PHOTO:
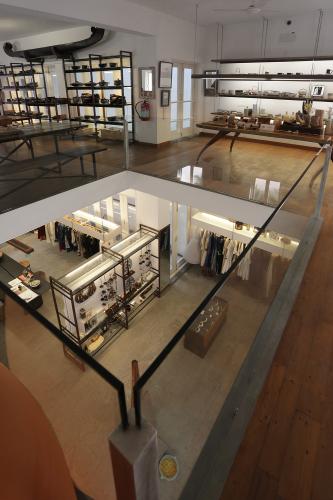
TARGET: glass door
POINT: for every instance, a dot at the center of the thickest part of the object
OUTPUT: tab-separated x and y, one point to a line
181	101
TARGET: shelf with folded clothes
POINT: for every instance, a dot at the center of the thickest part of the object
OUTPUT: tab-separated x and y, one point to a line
271	241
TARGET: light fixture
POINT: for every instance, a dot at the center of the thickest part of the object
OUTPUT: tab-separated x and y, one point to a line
97	220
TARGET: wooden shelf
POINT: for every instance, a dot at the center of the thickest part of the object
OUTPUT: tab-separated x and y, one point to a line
224	227
96	106
97	87
277	98
263	77
94	70
274	59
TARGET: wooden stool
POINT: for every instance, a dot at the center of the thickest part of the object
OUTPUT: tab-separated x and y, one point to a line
26	264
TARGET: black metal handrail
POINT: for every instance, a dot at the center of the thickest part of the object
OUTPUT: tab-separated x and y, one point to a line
82	355
181	332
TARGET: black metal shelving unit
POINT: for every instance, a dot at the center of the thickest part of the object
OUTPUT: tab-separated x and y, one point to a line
119	67
24	92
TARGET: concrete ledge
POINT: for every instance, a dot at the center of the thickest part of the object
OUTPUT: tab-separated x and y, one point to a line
213	465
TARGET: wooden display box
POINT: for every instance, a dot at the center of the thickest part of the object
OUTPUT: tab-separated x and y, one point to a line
112	134
200	342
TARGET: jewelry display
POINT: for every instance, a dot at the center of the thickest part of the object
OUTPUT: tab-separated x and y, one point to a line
85	293
206	327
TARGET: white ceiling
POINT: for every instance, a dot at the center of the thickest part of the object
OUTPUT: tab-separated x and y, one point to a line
19	23
207	15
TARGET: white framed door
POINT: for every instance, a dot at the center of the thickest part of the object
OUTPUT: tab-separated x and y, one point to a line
181	101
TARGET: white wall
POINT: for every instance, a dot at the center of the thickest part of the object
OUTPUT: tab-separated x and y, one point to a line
171	39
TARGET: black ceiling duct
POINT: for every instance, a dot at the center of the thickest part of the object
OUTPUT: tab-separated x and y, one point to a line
59	51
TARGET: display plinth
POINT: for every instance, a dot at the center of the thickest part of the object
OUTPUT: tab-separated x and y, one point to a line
205	328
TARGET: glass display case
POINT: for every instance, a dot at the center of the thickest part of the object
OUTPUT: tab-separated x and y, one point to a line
100	297
140	271
88	301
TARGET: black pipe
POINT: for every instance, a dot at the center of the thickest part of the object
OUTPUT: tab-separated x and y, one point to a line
60	51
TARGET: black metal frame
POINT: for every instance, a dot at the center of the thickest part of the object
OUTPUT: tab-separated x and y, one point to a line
11	72
181	332
92	59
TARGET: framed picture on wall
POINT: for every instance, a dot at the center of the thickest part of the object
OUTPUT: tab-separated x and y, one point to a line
165	98
165	75
318	91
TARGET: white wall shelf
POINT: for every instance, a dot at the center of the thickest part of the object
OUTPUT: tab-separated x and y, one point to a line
225	227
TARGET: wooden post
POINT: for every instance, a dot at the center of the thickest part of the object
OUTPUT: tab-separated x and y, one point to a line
134	456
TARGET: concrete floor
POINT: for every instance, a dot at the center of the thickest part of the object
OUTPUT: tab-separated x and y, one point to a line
83	409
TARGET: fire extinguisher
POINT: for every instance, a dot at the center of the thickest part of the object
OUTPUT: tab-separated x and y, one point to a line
144	110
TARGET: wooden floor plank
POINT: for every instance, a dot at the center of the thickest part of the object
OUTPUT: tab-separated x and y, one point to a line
322	487
264	486
300	459
237	487
298	446
313	397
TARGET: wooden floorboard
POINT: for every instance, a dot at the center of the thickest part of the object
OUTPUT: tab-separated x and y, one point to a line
289	455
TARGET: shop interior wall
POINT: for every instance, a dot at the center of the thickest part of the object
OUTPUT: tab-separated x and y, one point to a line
171	39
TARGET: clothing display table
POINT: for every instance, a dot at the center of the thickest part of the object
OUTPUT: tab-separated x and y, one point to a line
205	328
224	131
11	269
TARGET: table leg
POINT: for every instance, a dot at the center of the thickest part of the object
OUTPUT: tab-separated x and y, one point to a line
214	139
30	146
82	165
56	144
7	157
233	141
94	165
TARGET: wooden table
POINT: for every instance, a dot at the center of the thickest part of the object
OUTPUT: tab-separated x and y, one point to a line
224	131
11	269
26	133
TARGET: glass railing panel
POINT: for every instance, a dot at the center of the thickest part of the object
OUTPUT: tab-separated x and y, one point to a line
183	397
42	160
261	174
81	406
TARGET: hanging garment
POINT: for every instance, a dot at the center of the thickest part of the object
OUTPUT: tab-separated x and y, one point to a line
219	255
204	247
243	270
228	255
41	232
